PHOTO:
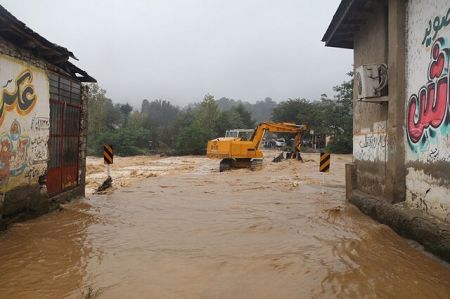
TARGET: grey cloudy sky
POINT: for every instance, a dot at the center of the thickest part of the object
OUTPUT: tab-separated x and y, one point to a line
180	50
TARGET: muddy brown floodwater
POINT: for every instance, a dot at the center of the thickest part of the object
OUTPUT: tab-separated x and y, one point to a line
193	232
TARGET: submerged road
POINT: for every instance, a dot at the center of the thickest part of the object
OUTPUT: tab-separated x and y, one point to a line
203	234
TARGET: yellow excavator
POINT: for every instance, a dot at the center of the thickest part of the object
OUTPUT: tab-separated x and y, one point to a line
238	153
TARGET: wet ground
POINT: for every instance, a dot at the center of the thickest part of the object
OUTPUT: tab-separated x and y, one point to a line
193	232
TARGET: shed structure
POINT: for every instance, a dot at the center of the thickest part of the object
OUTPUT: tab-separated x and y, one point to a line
43	122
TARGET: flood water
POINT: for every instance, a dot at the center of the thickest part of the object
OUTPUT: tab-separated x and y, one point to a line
204	234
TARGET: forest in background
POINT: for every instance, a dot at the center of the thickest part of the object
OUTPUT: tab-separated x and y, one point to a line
161	127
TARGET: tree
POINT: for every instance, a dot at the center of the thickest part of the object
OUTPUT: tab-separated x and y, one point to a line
343	137
161	126
203	126
158	113
208	113
299	111
244	115
332	117
102	116
262	110
125	110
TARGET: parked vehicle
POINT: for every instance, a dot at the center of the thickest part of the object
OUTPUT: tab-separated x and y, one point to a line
280	142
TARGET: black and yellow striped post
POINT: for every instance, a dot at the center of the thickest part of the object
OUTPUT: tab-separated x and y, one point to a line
325	160
324	166
108	153
108	157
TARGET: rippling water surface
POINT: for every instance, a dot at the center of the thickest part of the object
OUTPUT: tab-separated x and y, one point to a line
204	234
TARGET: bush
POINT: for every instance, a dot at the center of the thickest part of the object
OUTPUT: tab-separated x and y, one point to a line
127	141
341	144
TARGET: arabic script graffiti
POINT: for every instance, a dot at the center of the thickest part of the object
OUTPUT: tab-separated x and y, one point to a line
426	111
436	25
40	123
23	98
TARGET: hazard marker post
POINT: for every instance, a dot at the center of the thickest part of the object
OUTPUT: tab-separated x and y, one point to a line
324	166
108	157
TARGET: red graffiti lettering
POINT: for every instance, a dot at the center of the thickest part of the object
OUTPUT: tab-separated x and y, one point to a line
437	63
429	107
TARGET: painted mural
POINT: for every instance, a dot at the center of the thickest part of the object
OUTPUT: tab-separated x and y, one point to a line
427	117
14	152
22	98
427	110
24	123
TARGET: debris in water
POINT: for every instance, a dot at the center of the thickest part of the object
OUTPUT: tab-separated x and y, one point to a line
278	158
106	184
333	212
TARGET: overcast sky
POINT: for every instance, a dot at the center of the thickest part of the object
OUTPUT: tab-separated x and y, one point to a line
179	50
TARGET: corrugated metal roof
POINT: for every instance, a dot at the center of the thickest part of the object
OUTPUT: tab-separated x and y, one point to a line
18	33
350	15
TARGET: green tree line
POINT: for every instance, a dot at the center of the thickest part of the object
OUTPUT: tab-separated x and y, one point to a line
161	127
158	126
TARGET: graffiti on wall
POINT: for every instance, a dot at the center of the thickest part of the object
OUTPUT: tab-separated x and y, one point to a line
13	152
23	98
40	127
370	143
40	123
373	141
434	27
427	106
24	123
428	109
370	147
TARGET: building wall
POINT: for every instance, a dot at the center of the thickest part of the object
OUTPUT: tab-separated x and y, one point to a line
24	136
370	119
427	117
24	123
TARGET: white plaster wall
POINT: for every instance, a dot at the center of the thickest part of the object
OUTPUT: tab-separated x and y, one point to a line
426	189
370	143
24	134
426	193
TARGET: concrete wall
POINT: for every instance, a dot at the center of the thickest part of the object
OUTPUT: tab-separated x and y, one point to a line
24	123
370	120
427	117
24	134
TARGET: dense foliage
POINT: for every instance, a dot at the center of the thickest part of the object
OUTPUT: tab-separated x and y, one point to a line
159	126
331	117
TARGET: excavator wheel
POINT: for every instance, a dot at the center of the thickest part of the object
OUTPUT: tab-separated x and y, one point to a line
225	165
256	164
241	163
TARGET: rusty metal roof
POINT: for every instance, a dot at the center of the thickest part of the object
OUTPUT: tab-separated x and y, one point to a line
18	33
350	15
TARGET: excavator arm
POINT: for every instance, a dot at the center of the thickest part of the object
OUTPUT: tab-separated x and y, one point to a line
258	135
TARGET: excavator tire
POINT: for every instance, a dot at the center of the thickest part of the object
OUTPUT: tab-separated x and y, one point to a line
225	165
241	163
256	164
